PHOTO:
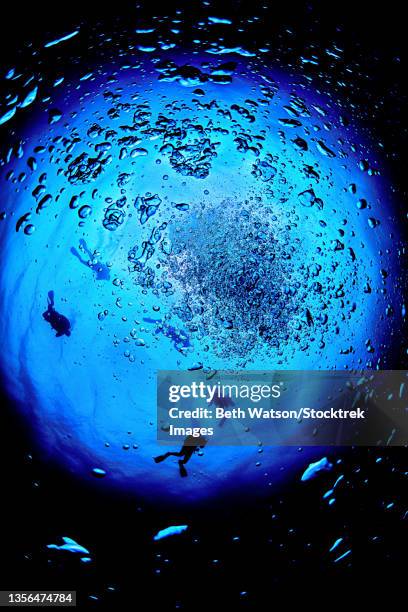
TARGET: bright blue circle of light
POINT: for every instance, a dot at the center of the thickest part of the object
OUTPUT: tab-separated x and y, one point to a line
263	144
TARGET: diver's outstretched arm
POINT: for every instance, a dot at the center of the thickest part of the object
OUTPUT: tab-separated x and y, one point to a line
78	256
50	300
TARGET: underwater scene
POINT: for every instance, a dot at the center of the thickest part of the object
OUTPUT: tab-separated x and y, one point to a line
199	187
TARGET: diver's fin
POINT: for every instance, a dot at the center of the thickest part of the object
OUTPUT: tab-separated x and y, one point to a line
160	458
183	471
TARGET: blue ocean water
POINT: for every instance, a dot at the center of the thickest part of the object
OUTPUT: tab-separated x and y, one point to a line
180	209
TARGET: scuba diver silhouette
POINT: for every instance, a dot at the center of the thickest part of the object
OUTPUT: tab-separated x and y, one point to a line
179	338
190	446
101	270
57	321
